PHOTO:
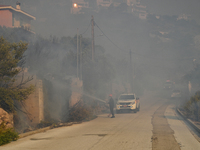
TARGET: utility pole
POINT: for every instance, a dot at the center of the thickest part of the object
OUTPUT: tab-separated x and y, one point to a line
77	55
81	57
131	71
93	49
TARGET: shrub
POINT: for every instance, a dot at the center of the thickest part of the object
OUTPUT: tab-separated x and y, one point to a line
7	134
44	124
80	112
191	107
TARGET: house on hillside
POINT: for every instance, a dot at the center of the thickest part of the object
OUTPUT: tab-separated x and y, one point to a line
134	6
139	10
78	6
14	17
104	3
131	2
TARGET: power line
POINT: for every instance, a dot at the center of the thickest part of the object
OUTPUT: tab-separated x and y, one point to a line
109	38
86	29
157	58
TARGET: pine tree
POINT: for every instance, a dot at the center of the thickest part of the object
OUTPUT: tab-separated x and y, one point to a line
11	60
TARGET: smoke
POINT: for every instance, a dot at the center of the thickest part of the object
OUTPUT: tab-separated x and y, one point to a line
170	7
163	47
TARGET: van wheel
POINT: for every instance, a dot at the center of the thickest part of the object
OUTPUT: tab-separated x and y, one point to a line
135	111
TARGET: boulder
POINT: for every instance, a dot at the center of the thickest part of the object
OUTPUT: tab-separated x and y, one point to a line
6	118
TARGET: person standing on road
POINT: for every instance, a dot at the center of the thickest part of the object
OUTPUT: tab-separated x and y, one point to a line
111	104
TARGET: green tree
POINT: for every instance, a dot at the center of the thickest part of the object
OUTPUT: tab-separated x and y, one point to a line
11	62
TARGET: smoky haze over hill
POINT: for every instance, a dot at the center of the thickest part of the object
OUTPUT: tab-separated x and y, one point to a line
162	48
145	52
174	7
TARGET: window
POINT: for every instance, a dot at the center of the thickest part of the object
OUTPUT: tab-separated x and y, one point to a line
126	97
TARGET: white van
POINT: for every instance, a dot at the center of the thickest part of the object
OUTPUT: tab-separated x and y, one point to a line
128	102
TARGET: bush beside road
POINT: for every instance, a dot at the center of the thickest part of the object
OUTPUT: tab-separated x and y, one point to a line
193	123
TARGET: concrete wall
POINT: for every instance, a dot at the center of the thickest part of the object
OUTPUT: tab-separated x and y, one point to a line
56	99
76	87
34	105
6	18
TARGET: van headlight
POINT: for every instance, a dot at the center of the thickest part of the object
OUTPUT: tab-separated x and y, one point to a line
132	103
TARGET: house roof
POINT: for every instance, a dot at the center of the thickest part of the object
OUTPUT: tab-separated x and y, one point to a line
3	7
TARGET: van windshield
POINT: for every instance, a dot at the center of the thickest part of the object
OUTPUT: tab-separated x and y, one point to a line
168	83
126	97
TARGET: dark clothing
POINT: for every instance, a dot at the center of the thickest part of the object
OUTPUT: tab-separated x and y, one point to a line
111	104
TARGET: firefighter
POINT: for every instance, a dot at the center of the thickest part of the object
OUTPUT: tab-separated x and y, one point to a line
111	104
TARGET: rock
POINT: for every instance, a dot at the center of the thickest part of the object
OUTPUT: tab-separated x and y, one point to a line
6	118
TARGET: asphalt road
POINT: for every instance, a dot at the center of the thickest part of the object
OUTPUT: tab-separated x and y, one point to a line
156	126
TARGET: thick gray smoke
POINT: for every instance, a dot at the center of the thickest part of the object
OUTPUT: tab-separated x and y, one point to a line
171	7
163	46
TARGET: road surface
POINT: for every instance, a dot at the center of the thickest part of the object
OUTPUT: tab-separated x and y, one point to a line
156	126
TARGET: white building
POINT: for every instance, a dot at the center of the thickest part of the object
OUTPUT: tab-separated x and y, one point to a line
104	3
134	6
139	10
131	2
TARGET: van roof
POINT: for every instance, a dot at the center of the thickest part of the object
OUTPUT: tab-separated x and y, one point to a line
128	94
